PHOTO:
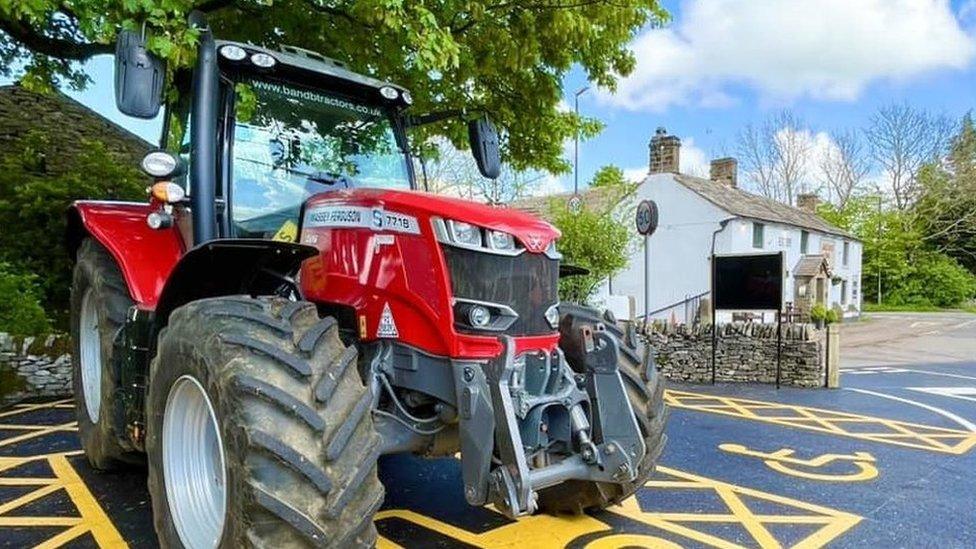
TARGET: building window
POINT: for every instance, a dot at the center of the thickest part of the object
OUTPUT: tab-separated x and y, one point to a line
758	230
843	292
804	241
847	246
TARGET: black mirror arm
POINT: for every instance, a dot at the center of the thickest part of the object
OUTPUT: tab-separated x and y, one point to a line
430	118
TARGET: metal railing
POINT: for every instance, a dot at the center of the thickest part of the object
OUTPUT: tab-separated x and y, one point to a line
689	306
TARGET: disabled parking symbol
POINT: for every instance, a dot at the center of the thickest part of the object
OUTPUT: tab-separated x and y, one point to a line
782	461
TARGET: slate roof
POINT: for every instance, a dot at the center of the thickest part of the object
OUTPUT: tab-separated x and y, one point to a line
745	204
733	200
811	265
598	199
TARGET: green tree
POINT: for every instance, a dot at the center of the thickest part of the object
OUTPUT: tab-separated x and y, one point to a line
608	176
34	202
502	57
21	312
912	272
596	237
946	209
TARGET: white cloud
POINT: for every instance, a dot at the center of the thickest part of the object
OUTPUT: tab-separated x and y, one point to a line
693	160
550	184
635	175
829	49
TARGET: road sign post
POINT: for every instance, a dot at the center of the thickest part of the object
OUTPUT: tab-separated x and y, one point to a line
647	215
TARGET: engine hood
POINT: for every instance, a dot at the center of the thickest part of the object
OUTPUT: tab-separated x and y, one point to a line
534	233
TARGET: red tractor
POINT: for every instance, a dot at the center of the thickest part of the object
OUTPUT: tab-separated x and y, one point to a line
287	307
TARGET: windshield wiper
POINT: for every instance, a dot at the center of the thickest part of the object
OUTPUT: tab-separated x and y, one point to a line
327	178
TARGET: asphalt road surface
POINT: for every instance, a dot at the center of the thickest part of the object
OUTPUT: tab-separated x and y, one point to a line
887	461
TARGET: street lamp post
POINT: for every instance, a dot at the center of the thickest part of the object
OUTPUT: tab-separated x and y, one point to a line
576	147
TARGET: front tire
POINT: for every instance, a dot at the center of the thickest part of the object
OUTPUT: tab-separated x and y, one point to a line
645	390
99	304
289	457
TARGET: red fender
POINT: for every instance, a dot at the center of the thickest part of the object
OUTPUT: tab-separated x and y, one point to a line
145	256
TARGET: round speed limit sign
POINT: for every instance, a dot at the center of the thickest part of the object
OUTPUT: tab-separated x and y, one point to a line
646	217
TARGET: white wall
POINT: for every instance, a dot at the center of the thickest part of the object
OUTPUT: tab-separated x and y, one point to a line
680	249
786	238
682	245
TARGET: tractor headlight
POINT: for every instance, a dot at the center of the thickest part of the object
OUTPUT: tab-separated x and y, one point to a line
479	316
499	240
233	53
465	233
263	60
482	316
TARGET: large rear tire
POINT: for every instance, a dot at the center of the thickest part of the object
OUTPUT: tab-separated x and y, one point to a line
645	390
99	303
259	430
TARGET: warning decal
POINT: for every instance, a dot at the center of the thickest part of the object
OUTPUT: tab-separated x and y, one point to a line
387	326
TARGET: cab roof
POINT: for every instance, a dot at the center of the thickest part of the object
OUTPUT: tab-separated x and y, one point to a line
300	59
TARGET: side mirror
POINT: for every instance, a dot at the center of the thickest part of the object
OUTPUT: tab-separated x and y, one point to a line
138	77
484	146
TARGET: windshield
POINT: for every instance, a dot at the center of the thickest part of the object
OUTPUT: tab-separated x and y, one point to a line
292	142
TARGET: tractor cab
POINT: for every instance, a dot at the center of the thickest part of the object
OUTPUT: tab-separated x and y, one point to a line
292	124
258	131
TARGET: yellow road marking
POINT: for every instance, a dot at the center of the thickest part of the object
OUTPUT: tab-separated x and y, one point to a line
782	461
834	523
533	531
888	431
11	522
92	517
39	431
558	531
63	537
101	527
65	403
616	541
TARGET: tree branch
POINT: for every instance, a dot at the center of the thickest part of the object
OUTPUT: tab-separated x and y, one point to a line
57	48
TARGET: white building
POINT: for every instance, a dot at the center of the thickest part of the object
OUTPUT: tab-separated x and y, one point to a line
700	216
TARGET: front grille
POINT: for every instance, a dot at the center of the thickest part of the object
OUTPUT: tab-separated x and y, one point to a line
528	283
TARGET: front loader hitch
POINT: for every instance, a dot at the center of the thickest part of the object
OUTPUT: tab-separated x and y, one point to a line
511	488
538	402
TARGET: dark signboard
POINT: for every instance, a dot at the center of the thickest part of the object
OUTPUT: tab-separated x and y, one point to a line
748	282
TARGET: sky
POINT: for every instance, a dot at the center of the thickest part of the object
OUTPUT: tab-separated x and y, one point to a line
721	64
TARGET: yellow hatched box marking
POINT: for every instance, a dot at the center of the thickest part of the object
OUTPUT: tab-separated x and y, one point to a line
558	531
90	519
829	523
876	429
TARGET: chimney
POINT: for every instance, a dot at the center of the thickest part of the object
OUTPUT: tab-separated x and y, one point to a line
725	171
665	150
808	202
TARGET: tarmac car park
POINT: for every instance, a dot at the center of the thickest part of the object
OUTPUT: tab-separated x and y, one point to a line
886	461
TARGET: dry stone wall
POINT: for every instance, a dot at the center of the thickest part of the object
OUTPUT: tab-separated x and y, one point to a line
745	352
33	367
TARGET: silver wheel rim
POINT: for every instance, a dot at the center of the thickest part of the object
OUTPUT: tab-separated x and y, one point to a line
193	465
91	355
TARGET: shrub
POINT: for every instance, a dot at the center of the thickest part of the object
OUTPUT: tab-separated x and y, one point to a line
597	237
34	201
21	312
832	315
818	313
